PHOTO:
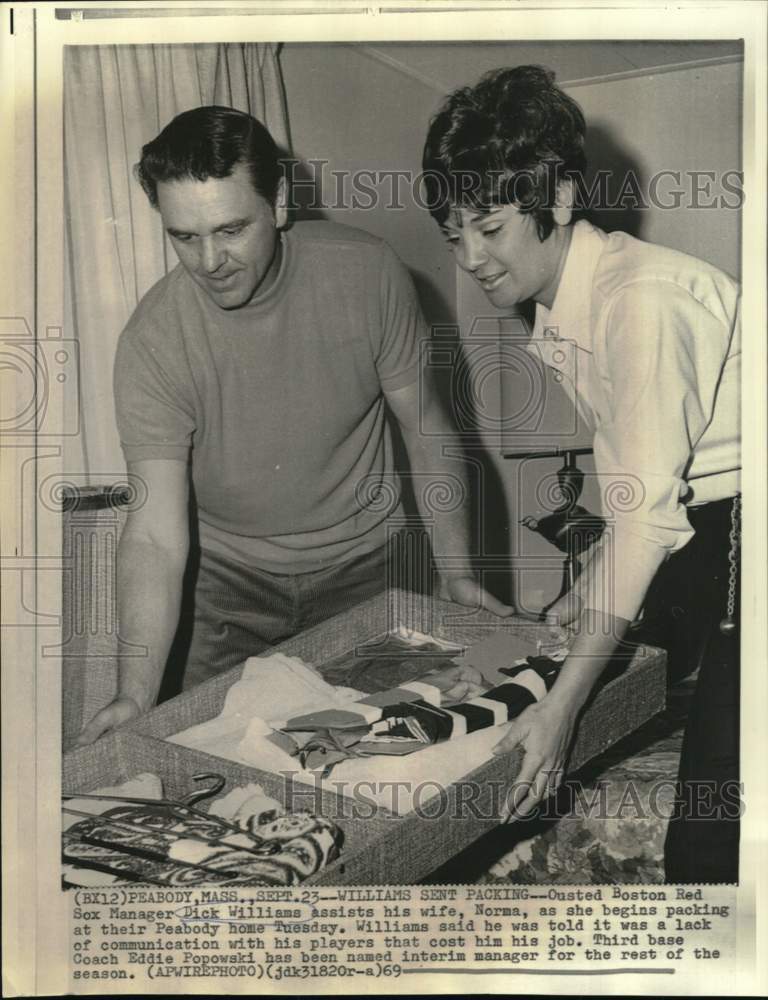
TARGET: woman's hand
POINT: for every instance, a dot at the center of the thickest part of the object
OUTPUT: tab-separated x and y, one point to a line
545	731
565	611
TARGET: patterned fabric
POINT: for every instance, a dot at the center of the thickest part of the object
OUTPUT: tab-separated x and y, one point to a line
387	662
246	839
152	844
613	835
411	716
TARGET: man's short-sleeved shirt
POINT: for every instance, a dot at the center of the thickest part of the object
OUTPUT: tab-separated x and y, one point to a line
279	403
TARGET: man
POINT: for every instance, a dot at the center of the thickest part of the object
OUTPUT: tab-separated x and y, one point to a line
253	380
656	371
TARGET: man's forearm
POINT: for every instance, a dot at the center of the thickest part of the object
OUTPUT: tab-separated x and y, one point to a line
444	504
149	583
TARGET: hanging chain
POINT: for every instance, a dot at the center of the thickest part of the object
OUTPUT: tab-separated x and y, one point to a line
729	623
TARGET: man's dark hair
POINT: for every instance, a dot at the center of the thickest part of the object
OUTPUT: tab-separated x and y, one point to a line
508	140
210	142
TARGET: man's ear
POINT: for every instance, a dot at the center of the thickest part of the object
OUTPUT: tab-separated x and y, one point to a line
281	204
562	210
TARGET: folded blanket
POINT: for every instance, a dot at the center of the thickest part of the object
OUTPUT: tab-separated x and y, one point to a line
270	687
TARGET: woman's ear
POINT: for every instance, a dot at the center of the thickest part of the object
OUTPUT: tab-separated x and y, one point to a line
562	210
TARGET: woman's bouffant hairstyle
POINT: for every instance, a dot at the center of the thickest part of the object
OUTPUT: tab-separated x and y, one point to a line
508	140
210	142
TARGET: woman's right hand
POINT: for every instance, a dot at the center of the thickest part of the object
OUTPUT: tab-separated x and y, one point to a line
545	732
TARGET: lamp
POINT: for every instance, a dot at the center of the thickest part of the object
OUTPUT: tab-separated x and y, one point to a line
571	528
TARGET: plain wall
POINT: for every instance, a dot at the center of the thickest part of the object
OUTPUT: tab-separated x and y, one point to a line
358	114
680	120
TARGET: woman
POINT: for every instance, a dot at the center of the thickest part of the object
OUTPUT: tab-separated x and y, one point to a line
656	368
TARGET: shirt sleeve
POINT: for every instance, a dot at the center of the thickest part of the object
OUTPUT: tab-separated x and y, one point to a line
403	327
153	418
661	354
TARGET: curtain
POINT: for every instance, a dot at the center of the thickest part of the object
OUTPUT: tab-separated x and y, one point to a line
117	98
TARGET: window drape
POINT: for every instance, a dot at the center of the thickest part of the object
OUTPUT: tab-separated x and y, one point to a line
117	98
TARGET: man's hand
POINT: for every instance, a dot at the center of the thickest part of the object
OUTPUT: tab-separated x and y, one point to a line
120	710
466	590
545	731
457	683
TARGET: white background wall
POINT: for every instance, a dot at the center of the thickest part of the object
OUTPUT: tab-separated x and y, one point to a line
357	113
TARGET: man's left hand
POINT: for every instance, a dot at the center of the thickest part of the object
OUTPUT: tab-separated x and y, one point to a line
466	590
